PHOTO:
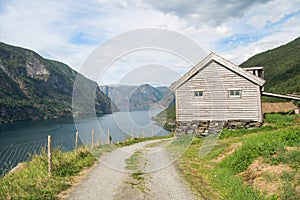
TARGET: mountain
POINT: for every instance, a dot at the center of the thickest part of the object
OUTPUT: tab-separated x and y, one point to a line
281	67
144	97
140	97
32	87
168	98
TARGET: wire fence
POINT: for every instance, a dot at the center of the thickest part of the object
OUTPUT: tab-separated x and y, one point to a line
13	154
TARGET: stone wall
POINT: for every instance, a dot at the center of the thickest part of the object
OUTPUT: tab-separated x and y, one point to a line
236	124
204	128
199	128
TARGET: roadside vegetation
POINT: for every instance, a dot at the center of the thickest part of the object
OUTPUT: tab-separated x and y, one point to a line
260	163
33	182
131	141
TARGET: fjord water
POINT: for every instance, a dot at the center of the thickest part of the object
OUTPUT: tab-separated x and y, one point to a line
19	138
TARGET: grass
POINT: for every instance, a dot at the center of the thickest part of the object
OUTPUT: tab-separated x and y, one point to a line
135	140
222	180
33	182
135	164
132	163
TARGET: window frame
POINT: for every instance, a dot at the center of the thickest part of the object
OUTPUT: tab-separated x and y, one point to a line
235	93
198	92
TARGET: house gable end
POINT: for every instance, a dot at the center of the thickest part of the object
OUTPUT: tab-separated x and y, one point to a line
223	62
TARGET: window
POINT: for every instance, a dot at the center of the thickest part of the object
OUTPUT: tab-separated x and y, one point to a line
235	93
198	93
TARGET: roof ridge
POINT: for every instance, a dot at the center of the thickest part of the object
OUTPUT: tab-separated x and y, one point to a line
226	63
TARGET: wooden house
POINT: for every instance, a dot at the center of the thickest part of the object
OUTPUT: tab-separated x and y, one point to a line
218	90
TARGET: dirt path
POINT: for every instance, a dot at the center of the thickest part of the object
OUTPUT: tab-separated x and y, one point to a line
153	177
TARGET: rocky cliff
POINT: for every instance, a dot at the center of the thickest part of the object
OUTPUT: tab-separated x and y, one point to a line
141	97
32	87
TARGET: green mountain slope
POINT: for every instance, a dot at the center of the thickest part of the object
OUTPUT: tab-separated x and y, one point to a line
32	87
281	66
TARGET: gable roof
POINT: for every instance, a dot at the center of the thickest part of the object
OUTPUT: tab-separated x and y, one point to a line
227	64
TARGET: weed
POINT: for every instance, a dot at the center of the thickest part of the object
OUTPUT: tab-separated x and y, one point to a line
133	162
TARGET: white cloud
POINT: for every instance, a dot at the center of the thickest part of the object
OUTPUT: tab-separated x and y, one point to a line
275	23
142	66
70	30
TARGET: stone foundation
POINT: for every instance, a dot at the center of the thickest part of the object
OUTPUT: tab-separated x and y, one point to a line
204	128
199	128
236	124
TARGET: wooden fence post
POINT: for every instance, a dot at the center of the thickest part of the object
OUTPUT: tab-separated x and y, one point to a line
76	143
108	137
49	155
143	134
93	138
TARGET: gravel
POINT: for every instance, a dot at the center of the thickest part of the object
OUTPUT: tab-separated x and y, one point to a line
106	181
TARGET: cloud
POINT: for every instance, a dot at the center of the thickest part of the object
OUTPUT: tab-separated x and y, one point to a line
263	27
143	66
214	12
70	30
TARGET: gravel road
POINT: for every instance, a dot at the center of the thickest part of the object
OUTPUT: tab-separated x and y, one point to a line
110	180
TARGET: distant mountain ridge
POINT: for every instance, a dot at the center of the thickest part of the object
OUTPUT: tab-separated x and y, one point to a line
32	87
142	97
281	67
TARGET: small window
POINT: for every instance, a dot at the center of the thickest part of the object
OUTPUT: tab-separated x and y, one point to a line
234	93
198	93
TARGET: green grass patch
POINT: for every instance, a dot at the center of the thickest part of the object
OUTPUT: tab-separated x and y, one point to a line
272	122
265	144
33	181
136	164
220	180
131	141
133	162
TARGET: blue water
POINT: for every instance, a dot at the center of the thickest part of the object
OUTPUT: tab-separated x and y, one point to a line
20	138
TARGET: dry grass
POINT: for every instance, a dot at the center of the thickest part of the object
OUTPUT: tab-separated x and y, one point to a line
265	177
228	152
280	107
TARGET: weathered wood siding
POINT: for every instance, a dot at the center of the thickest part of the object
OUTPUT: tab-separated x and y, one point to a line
216	81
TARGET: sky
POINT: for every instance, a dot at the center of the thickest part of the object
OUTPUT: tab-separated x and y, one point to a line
69	31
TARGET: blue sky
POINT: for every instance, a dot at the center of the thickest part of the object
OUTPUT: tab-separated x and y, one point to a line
69	31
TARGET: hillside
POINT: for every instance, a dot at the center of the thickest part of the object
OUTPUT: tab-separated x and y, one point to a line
140	97
32	87
281	66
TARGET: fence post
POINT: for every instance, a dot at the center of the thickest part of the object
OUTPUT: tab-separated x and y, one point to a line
108	137
93	138
76	143
143	134
49	155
